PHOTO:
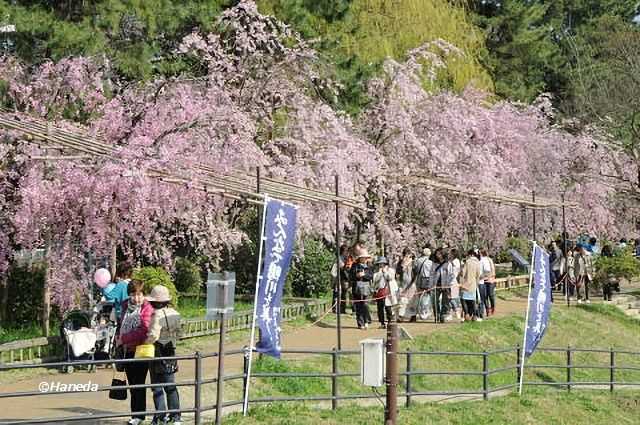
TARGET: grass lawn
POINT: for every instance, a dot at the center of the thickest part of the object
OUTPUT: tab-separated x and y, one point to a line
15	333
535	407
586	326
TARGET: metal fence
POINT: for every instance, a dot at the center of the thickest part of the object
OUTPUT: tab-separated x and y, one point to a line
609	366
47	349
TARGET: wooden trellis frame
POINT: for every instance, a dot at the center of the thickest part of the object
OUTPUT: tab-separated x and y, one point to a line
86	147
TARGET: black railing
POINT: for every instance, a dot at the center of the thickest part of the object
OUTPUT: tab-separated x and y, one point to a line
476	382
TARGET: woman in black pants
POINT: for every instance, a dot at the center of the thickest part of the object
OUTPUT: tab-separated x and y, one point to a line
134	326
361	276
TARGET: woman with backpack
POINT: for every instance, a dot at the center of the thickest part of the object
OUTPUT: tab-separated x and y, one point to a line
164	332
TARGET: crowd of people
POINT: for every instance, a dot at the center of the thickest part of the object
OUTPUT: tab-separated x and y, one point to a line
443	285
439	285
146	320
573	268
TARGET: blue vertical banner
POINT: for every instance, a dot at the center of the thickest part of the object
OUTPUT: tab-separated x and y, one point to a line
280	235
539	301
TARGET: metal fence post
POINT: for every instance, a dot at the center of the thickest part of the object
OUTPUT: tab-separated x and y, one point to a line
198	389
612	364
334	379
485	375
569	369
408	381
245	371
518	359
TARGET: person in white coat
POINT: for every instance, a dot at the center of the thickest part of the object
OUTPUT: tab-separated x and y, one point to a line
386	288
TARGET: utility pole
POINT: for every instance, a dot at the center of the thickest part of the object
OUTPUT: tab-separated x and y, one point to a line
534	217
338	259
391	408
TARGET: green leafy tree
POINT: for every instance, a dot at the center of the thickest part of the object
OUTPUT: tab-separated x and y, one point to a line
187	276
152	276
139	35
530	42
621	266
310	273
605	89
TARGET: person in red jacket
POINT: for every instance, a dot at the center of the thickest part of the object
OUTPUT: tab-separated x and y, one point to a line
133	330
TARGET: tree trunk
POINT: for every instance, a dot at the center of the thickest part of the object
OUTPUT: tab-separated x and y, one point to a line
46	291
4	297
46	298
113	262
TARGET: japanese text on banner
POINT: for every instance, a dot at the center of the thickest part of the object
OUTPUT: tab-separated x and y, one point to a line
280	231
540	301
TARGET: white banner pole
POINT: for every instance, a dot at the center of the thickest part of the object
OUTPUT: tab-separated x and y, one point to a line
526	320
245	403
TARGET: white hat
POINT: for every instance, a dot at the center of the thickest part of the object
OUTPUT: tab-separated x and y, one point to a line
426	252
159	294
363	254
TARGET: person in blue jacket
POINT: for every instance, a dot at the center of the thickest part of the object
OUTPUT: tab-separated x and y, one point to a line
117	292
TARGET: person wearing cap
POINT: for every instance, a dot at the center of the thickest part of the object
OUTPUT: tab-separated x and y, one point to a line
361	276
164	332
386	288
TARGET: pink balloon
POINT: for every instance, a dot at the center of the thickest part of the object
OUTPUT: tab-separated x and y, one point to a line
102	277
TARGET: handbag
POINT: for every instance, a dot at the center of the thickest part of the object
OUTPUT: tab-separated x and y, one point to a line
145	351
363	289
167	349
118	393
382	292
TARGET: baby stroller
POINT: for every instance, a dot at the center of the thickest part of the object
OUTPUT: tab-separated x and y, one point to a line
88	335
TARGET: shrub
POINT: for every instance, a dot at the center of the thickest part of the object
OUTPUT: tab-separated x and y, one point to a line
152	276
187	276
26	283
310	274
621	266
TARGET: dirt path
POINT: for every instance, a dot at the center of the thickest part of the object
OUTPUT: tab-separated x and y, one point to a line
321	336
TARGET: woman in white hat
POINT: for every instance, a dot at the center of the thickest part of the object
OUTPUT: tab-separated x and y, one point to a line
164	332
386	295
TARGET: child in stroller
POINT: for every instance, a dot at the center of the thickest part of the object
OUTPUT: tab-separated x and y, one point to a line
88	335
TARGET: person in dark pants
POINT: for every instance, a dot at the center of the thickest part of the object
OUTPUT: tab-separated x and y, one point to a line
344	280
386	291
489	278
163	334
362	275
441	278
471	273
610	281
133	329
584	274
